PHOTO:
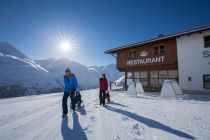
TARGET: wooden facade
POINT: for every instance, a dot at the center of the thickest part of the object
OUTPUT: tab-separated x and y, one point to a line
170	60
166	61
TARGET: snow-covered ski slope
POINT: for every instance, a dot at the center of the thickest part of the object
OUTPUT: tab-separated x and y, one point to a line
146	117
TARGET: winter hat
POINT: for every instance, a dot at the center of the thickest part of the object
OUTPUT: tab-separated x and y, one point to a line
67	70
103	74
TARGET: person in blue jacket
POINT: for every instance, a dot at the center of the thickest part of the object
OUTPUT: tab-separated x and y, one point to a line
70	87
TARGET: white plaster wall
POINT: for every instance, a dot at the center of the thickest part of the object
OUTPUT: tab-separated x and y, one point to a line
191	61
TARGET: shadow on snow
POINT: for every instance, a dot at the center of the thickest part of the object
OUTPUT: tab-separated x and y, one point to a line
115	103
151	123
76	132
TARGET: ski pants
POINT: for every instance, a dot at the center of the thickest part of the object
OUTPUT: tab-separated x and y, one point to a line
102	97
64	102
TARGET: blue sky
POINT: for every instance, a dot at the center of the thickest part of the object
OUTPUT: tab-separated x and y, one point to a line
95	25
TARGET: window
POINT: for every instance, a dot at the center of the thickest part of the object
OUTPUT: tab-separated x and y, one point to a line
156	50
132	54
136	77
154	82
163	74
144	74
207	41
206	81
173	74
154	78
154	74
160	49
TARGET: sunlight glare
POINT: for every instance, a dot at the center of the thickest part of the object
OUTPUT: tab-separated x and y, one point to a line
65	46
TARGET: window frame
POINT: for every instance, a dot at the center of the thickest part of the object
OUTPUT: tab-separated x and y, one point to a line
131	54
206	41
157	49
204	81
162	45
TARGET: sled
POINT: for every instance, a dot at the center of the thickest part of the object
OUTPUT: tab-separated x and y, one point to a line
107	96
78	105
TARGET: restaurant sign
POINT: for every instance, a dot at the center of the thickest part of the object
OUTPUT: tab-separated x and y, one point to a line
145	60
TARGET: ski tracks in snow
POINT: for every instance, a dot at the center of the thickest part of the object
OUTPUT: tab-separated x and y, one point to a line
124	118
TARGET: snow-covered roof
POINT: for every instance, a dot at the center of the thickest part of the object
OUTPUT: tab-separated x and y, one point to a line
159	38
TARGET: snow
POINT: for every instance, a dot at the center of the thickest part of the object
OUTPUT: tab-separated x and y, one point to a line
7	48
139	88
131	89
94	69
118	84
28	61
21	75
121	79
83	73
170	89
148	117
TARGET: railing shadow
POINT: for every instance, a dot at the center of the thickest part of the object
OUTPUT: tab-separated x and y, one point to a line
151	123
75	133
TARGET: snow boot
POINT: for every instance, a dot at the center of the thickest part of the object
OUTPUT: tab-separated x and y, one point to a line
64	115
71	109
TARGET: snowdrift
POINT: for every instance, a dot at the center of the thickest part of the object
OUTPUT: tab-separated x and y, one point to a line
131	89
139	88
170	88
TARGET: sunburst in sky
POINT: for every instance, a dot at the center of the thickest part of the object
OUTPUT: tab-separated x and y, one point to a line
65	44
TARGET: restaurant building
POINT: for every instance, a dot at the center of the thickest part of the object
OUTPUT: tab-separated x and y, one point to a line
184	57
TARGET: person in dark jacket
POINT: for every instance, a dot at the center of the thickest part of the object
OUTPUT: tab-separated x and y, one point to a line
103	84
70	87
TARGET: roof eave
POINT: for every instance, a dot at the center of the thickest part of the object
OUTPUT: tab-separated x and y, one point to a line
158	39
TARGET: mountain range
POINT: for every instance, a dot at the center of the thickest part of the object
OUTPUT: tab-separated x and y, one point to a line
20	75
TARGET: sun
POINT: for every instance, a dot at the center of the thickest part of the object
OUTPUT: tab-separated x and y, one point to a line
65	46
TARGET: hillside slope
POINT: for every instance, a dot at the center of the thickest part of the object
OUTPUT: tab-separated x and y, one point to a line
87	76
22	76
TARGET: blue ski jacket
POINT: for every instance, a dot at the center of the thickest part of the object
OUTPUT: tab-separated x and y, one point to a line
70	84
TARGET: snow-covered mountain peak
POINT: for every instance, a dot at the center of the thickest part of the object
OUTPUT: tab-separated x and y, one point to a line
10	55
8	49
93	68
22	75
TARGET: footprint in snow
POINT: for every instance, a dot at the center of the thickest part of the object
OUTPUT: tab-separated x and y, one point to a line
25	112
90	111
197	118
135	126
136	129
117	138
93	119
89	131
125	118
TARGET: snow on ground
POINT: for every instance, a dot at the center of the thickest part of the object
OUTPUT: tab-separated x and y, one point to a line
147	117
